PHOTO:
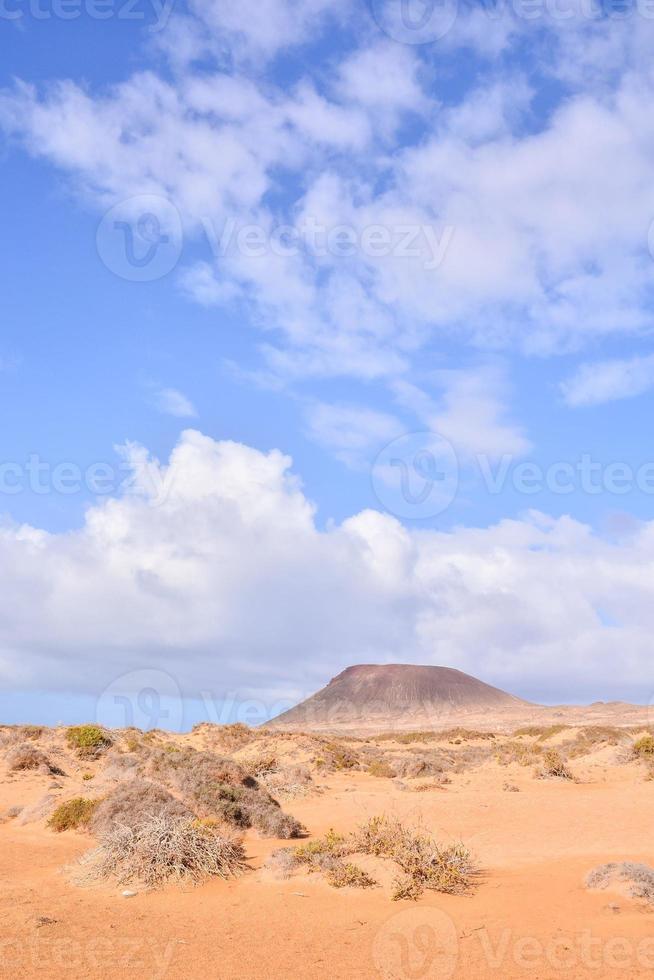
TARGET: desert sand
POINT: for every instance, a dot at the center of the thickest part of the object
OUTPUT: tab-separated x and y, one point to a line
529	913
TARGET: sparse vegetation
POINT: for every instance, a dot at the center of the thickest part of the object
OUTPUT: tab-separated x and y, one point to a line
639	878
164	849
88	740
33	732
541	732
335	758
552	766
325	854
288	781
27	757
381	768
422	862
216	786
133	802
348	875
455	735
595	737
425	863
524	754
74	814
644	747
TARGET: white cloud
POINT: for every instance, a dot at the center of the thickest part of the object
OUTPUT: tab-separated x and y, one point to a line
354	433
606	381
546	252
468	408
170	401
216	571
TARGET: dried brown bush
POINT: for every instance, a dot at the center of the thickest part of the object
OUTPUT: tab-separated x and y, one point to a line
638	877
163	849
326	855
423	862
290	782
593	737
541	732
552	766
215	786
381	769
335	757
135	802
26	756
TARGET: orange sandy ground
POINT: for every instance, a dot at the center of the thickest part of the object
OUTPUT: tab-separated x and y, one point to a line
530	915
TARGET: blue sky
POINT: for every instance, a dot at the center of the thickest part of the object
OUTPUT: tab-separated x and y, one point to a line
473	311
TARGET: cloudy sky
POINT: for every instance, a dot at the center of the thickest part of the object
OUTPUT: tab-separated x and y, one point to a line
326	339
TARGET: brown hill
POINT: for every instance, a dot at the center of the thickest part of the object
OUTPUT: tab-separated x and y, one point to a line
376	696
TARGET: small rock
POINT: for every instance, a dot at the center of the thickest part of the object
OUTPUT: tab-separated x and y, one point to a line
128	894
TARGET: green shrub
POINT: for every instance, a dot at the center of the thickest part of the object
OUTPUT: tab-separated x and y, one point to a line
88	740
73	814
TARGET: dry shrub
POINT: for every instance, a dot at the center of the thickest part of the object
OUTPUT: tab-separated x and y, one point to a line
518	752
407	738
412	766
594	737
89	740
552	766
541	732
424	863
347	875
456	735
260	765
25	757
288	781
33	732
214	786
164	849
638	877
135	802
644	747
381	768
335	758
282	862
72	815
326	855
10	813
